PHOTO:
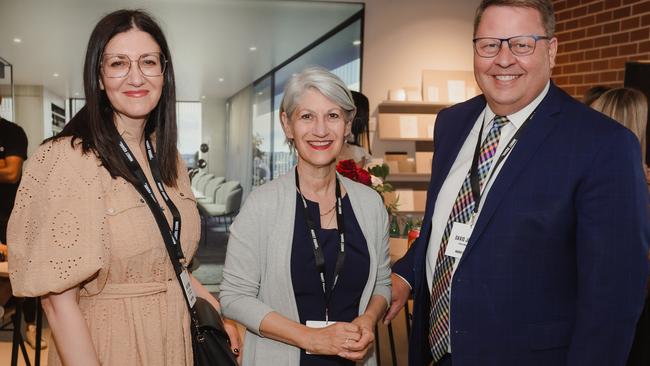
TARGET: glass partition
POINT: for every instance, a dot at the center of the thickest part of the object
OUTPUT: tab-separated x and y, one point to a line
188	120
262	132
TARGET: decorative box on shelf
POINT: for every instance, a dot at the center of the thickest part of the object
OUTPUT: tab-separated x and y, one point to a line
409	201
448	86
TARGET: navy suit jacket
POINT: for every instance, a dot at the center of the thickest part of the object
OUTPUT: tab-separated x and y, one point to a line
555	269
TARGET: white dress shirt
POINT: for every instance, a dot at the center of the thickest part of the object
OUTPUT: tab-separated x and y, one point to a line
453	182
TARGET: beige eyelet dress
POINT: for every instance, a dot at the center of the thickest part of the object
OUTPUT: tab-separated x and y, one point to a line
73	225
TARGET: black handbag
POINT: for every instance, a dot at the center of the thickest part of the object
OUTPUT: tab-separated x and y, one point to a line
210	342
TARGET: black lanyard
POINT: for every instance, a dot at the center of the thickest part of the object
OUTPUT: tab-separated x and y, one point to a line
145	189
473	173
318	251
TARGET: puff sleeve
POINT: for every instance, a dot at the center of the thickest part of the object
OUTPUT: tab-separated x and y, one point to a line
57	233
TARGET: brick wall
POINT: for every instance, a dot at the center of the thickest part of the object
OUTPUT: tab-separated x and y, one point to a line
595	40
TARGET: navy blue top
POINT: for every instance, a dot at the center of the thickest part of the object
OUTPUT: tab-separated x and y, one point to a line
344	303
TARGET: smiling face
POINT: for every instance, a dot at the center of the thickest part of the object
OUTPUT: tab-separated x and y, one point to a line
317	128
134	96
511	82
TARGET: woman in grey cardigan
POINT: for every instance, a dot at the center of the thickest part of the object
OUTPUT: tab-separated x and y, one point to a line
307	268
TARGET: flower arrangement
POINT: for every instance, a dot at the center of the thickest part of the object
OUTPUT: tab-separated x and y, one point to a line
374	177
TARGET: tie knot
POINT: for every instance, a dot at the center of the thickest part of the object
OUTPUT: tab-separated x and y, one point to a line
500	121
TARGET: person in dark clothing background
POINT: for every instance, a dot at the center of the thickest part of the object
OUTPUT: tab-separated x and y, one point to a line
13	152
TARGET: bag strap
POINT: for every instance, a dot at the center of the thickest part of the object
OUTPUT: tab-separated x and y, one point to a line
166	233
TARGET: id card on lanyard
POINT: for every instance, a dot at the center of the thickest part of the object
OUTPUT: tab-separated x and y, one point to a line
460	231
319	256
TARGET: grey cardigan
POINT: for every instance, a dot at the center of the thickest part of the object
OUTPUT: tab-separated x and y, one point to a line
257	274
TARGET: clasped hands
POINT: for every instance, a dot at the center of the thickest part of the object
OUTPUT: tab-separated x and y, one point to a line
347	340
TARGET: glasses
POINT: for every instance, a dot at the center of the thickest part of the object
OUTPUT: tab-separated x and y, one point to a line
116	65
519	45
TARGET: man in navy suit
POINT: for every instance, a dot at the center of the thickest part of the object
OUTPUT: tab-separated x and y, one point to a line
536	229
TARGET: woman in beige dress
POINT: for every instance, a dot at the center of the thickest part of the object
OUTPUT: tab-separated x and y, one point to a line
82	236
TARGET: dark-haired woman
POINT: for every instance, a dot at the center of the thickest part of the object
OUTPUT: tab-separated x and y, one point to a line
84	238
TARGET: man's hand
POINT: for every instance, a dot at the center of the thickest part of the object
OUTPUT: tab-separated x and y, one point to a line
11	170
400	294
4	252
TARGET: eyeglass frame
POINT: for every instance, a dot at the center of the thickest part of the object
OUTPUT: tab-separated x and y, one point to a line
162	57
507	40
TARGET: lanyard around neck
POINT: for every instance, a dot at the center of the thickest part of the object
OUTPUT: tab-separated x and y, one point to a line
319	256
145	189
474	174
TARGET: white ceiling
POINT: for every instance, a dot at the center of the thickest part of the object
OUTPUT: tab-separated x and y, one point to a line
209	39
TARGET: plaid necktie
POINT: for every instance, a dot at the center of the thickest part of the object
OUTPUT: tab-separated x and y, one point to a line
460	212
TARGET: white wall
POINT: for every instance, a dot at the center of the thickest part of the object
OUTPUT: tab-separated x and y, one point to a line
402	38
29	113
48	99
34	112
213	132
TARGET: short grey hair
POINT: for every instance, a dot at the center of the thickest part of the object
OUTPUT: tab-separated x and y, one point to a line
323	81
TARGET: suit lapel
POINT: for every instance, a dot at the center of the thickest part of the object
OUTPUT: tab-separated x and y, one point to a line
532	138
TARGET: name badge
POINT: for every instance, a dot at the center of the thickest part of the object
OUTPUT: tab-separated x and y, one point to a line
187	287
458	239
317	324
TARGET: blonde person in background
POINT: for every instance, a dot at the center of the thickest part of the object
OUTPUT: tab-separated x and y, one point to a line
628	107
307	268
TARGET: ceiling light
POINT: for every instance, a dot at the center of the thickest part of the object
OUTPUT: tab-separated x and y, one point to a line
252	48
202	96
17	40
356	42
76	94
260	93
221	80
55	75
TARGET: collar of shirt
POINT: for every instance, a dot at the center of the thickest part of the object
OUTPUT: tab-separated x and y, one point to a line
518	118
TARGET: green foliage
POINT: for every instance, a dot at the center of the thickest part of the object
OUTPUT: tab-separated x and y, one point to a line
380	171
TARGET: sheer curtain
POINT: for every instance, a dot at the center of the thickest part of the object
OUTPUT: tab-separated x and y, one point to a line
239	146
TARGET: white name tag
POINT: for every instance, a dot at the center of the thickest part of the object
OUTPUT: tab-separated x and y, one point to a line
187	287
317	324
458	239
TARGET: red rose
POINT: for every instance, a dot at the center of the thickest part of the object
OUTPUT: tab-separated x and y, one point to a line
363	177
347	168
